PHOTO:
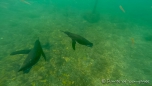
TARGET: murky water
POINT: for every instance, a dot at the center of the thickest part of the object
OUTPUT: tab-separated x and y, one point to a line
120	31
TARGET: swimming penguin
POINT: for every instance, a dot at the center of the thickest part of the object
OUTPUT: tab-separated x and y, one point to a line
77	38
32	58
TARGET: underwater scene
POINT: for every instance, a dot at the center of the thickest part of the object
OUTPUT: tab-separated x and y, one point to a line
75	42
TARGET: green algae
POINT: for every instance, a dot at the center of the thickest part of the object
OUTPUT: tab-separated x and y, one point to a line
109	58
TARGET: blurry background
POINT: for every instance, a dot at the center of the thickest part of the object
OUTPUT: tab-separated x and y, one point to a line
121	36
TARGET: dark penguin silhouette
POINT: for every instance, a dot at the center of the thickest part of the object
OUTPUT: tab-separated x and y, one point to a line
32	58
77	38
94	16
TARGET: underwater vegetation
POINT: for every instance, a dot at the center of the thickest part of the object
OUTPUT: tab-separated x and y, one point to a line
83	42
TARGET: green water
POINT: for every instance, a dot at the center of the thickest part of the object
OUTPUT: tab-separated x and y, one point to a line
121	51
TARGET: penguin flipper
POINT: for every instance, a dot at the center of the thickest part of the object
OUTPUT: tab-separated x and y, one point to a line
73	44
